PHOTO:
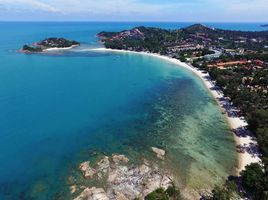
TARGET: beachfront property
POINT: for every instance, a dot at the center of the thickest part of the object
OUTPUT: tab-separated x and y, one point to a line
244	63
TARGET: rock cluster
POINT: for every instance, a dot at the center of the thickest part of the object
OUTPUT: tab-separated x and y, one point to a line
122	180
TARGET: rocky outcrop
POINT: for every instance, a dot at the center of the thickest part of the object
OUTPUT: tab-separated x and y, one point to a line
87	170
122	180
103	167
160	153
92	194
73	189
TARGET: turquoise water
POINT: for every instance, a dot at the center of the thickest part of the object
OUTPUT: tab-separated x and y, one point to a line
55	110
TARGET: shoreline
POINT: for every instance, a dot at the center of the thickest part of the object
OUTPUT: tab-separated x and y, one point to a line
244	140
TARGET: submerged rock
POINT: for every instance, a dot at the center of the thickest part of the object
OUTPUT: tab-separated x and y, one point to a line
160	153
73	189
123	181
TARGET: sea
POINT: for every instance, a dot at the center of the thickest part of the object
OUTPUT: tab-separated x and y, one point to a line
60	109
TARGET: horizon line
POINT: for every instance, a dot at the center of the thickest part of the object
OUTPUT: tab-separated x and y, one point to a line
115	21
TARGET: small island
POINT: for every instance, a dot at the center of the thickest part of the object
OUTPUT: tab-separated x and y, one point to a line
49	43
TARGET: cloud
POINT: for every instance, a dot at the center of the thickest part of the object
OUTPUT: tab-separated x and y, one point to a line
150	10
20	5
91	6
108	6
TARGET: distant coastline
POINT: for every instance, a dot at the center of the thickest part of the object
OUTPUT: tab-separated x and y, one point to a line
235	121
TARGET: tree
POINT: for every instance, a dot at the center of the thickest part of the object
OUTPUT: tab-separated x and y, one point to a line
257	119
171	193
183	59
158	194
253	180
226	192
262	136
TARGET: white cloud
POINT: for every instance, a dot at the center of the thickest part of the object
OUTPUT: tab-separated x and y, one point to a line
91	6
107	6
155	10
17	5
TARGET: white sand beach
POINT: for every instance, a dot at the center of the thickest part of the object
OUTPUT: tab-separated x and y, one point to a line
63	48
246	143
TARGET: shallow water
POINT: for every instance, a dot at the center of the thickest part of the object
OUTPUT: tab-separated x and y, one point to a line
56	110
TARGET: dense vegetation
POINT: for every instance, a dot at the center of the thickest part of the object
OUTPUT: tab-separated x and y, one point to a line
152	40
31	48
169	194
160	40
57	42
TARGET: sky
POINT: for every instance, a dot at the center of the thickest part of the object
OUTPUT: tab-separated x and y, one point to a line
135	10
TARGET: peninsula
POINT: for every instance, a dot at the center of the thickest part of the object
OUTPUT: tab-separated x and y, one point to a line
50	44
234	66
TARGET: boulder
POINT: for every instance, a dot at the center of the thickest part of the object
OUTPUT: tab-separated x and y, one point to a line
92	194
120	158
160	153
104	164
99	194
120	196
103	167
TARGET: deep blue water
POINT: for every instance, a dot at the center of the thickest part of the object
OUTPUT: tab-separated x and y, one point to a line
56	109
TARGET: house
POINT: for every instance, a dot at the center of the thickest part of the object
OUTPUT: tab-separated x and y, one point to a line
259	62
